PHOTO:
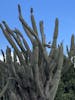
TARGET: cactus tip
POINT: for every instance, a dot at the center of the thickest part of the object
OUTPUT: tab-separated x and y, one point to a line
31	10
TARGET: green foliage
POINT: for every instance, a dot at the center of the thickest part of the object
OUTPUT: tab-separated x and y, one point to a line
66	89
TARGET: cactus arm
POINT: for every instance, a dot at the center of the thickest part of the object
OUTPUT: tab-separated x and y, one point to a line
55	34
24	41
57	75
16	37
72	52
32	33
12	43
33	23
42	32
4	89
23	24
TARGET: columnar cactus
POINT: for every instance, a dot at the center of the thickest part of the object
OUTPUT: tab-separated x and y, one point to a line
36	76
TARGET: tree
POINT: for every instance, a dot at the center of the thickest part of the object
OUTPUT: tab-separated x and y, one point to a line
37	74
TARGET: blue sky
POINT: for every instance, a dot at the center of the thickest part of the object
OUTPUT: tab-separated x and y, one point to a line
46	10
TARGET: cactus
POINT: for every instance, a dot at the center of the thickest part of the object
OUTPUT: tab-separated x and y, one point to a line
69	60
37	74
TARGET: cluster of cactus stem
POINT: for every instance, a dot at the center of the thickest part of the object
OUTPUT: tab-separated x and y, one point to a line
71	52
37	74
69	58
